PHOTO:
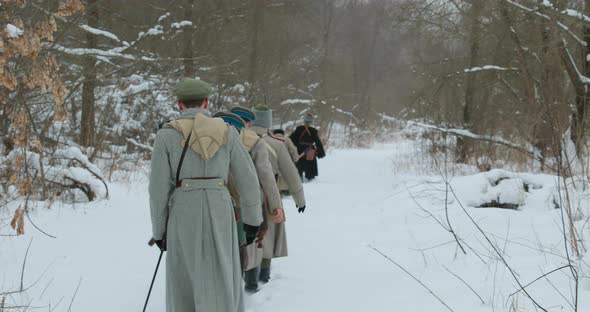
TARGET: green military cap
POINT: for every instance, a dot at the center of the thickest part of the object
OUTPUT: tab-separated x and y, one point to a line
190	89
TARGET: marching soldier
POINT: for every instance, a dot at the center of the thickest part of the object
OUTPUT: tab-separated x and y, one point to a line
291	148
275	240
272	204
191	209
280	133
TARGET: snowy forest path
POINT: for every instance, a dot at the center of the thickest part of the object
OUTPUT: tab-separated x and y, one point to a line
100	260
102	247
330	263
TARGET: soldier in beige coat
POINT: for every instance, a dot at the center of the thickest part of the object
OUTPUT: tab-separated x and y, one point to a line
272	204
280	133
275	241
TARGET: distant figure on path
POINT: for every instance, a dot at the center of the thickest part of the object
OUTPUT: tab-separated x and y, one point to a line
191	208
309	147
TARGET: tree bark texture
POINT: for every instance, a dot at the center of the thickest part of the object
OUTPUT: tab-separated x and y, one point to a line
471	84
89	68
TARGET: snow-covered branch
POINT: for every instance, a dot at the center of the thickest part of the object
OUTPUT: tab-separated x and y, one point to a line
477	137
583	79
90	52
568	12
99	32
296	101
488	67
142	146
549	18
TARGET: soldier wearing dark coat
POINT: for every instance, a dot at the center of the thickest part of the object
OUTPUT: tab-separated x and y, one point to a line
309	147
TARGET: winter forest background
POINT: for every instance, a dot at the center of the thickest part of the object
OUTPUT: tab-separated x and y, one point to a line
500	84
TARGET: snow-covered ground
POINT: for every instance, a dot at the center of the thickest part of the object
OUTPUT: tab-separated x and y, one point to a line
360	201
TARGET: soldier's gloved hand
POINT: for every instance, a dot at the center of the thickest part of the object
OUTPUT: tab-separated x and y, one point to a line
161	243
301	209
251	233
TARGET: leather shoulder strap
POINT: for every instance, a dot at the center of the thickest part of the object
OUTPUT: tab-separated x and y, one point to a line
186	144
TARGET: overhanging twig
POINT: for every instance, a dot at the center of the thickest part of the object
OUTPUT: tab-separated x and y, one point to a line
412	276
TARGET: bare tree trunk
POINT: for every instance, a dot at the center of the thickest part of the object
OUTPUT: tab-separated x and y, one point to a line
528	81
325	104
89	69
365	94
471	84
187	54
257	5
579	117
545	140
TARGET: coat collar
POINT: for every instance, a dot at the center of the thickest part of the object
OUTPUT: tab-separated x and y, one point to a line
190	113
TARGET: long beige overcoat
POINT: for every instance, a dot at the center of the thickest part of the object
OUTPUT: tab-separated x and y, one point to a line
203	271
260	152
292	149
275	241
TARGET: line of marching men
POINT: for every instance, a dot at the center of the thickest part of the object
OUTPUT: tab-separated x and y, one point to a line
215	203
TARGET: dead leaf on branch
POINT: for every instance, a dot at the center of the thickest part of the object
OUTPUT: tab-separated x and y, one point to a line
25	188
69	7
18	221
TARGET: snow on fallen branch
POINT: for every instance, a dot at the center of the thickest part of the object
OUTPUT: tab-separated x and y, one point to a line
75	155
477	137
68	168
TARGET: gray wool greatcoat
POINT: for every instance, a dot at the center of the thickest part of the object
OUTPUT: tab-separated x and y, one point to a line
203	272
275	240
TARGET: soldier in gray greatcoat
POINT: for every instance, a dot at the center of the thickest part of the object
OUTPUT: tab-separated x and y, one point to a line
191	209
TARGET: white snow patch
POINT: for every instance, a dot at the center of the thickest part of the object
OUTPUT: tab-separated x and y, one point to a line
163	17
155	31
13	31
181	24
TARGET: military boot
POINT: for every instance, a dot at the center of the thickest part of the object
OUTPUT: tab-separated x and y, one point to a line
264	275
251	279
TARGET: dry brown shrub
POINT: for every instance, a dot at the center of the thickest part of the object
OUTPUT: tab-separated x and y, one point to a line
25	188
70	7
18	221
